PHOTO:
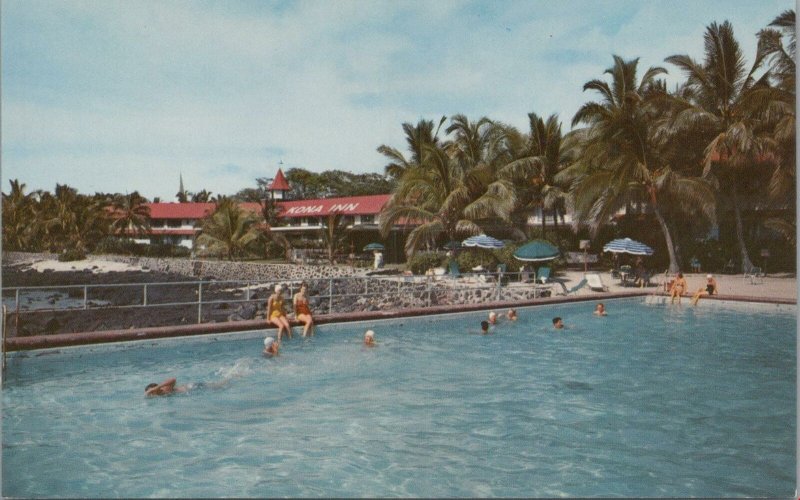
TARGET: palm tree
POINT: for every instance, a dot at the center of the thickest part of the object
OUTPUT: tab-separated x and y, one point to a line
780	114
131	213
721	105
17	217
619	160
230	231
419	137
334	233
203	196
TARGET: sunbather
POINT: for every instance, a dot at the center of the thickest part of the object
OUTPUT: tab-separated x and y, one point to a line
709	289
276	313
301	310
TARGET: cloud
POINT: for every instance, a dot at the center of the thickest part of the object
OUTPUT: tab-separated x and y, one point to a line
127	95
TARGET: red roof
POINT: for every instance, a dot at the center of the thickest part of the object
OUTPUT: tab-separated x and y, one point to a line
279	183
351	205
181	210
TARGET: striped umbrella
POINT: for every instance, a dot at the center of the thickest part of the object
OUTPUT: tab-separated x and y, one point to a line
627	245
483	241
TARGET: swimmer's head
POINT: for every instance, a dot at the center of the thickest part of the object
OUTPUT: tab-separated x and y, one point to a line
709	276
485	326
557	322
492	317
268	342
150	386
369	334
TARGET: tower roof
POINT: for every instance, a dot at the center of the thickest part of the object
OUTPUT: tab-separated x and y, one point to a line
279	183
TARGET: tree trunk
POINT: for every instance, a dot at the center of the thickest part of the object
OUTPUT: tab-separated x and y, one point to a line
544	222
555	220
746	264
673	261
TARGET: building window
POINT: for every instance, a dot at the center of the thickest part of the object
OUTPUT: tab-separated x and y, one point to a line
174	223
368	219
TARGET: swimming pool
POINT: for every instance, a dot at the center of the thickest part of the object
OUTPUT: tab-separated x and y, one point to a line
652	400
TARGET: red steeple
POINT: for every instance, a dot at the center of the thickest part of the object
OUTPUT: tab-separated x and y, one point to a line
279	183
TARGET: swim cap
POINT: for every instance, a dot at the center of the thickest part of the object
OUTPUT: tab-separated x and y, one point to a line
268	341
369	333
278	288
709	276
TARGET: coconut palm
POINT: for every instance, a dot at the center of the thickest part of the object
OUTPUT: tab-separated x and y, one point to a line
230	231
17	217
334	234
131	213
418	137
619	158
722	104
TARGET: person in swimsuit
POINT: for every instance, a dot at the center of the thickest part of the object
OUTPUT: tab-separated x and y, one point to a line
710	289
164	388
558	323
276	313
301	310
492	318
600	310
678	289
512	314
270	347
484	327
369	338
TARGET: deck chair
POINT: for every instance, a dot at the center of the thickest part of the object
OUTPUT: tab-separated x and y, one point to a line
454	270
755	275
543	275
570	291
595	282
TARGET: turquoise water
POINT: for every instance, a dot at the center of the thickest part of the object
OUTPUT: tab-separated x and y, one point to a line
651	400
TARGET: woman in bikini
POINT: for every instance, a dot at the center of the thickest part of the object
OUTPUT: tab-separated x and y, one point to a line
302	312
678	288
276	313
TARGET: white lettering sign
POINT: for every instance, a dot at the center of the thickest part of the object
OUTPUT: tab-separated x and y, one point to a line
304	210
344	207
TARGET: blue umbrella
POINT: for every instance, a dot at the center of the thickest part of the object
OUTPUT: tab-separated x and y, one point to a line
627	245
536	251
483	241
373	246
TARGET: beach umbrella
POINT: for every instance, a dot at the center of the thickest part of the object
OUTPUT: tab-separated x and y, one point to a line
483	241
373	246
627	245
536	251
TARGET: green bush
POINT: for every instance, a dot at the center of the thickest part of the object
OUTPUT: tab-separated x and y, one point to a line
71	255
421	262
467	259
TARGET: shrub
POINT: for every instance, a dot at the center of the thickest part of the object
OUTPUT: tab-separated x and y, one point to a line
71	255
421	262
467	259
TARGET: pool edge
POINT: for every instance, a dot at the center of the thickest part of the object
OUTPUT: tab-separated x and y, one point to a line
107	336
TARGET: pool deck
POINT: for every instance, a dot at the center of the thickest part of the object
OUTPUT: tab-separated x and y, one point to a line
773	289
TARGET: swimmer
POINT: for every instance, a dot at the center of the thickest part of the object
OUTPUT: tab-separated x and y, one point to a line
270	347
369	338
301	310
484	327
276	313
600	310
512	314
558	324
492	318
709	289
164	388
678	289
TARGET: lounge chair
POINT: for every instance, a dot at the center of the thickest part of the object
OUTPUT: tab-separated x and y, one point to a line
755	275
543	275
595	282
570	291
454	270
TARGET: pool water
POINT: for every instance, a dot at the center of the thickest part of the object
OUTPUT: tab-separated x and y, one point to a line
652	400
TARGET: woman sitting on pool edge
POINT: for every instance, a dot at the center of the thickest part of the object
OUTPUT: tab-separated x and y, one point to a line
709	289
301	310
678	289
276	313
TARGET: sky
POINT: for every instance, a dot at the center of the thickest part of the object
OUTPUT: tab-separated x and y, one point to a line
113	96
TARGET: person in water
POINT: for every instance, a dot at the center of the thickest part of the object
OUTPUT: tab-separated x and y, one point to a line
678	289
512	315
164	388
301	310
270	347
709	289
558	324
369	338
600	309
276	313
484	327
492	318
